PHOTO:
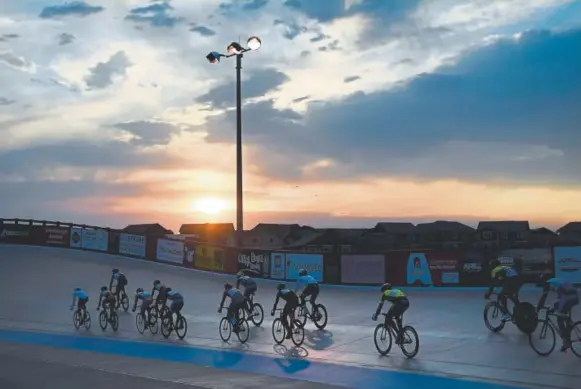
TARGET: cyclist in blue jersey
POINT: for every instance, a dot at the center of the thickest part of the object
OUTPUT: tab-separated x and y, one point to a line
399	304
81	298
250	287
237	301
567	298
106	297
310	285
121	282
292	302
146	299
507	278
162	291
177	303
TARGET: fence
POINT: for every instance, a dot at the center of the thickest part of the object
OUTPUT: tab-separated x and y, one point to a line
417	268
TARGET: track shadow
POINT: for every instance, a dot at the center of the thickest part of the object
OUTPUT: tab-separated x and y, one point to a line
319	339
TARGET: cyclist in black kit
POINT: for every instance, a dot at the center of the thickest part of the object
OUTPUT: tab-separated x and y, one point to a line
121	283
162	291
292	302
237	301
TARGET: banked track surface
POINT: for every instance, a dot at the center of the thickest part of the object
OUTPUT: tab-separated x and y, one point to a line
36	285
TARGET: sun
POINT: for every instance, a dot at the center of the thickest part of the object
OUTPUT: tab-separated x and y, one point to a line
209	205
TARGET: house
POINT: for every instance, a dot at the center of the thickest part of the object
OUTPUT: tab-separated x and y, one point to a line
570	232
503	234
275	236
543	237
218	233
146	229
388	236
330	240
443	234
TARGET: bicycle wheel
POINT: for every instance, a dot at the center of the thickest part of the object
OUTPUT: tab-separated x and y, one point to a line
77	319
257	314
298	334
526	318
153	323
320	318
576	339
225	329
166	326
243	331
164	311
140	323
382	335
544	333
410	337
114	321
87	320
125	301
278	331
495	312
301	315
103	322
181	327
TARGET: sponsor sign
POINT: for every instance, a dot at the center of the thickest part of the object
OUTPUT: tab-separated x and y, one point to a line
450	278
15	233
418	270
56	236
278	266
472	267
568	263
362	269
209	258
170	251
506	260
312	263
256	261
76	240
132	245
97	240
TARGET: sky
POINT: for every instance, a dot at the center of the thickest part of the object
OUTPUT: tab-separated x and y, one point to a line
354	111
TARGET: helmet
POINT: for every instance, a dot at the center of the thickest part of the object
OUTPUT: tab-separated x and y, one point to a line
281	286
156	283
227	286
386	286
545	277
239	275
77	289
115	271
494	263
104	289
302	272
139	290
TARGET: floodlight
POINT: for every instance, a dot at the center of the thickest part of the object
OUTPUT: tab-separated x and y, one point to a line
254	43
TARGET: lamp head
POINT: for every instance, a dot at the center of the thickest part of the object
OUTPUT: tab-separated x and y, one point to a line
213	57
235	48
254	43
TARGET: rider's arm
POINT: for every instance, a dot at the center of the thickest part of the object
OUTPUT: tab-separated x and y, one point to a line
135	302
380	306
74	299
298	285
100	299
544	295
493	283
276	301
224	295
111	282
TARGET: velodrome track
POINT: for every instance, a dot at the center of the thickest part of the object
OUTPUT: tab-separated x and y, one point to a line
36	285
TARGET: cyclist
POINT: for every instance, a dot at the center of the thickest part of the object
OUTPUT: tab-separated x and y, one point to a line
311	287
399	304
81	298
177	303
162	291
237	302
121	283
250	287
146	301
292	301
568	297
509	280
106	297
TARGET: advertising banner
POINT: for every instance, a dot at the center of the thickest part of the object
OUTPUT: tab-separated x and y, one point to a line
255	261
444	267
396	264
418	270
312	263
56	236
15	233
568	263
97	240
132	245
170	251
76	240
362	269
278	266
473	268
210	258
530	263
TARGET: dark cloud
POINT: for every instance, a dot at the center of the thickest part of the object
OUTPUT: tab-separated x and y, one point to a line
65	39
203	30
14	61
101	75
156	15
463	121
301	99
7	37
258	84
5	101
291	29
319	38
349	79
305	53
242	5
149	133
74	8
333	46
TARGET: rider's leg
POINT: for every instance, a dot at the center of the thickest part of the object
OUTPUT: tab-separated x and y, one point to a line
286	318
247	296
314	295
564	321
503	303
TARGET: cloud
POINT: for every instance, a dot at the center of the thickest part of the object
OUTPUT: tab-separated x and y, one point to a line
202	30
291	29
74	8
149	133
349	79
65	39
7	37
102	75
156	15
259	83
242	5
507	111
4	101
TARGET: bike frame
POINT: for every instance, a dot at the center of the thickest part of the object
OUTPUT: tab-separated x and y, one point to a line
548	321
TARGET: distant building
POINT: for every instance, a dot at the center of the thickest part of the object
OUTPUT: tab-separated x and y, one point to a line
217	233
570	232
146	229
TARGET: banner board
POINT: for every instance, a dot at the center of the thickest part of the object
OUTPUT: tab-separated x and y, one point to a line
278	266
362	269
312	263
97	240
15	233
56	236
132	245
170	251
256	261
568	263
76	239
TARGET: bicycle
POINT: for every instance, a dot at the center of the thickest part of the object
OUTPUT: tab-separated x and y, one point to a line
319	316
152	325
108	316
256	313
523	316
82	319
241	328
549	328
159	310
168	324
298	331
407	336
122	300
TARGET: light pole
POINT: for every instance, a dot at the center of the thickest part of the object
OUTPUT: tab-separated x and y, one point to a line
236	50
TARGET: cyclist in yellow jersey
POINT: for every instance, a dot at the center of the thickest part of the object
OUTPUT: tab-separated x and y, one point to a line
399	304
507	278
